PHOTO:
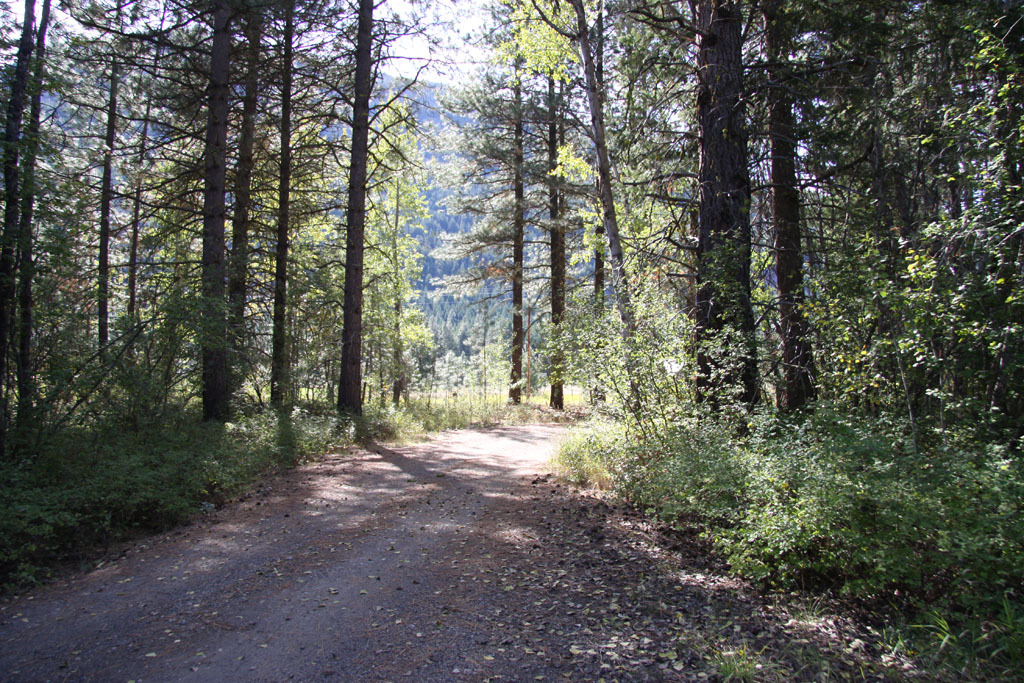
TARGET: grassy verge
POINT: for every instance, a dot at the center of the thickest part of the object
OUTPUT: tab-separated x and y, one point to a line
422	415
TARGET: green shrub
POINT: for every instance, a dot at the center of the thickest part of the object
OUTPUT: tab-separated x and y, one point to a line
831	501
688	474
593	454
89	486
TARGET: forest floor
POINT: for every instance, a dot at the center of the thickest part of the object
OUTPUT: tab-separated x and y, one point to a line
458	559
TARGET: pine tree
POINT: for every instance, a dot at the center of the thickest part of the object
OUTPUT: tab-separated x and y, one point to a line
350	396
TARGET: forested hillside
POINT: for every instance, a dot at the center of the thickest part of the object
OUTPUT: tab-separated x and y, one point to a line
776	246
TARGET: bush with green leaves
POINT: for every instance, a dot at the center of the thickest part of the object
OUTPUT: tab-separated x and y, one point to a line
87	486
829	500
594	454
834	499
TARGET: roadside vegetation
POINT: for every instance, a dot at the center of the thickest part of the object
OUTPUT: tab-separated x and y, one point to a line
94	485
777	244
928	542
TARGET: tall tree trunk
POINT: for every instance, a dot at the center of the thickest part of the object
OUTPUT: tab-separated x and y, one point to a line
599	230
106	198
350	382
278	359
241	219
398	385
515	390
595	97
25	369
133	248
557	400
724	318
216	396
136	226
796	387
12	199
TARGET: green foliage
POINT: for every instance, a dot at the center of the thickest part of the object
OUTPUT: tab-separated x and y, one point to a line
534	40
839	499
831	500
657	364
594	454
688	473
420	416
89	486
985	649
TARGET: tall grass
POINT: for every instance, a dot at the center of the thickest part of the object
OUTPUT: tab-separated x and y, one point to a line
423	414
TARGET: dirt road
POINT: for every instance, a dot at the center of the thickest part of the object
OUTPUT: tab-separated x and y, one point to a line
456	559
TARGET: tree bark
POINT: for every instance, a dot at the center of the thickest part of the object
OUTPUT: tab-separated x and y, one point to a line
796	387
25	367
278	360
106	198
515	391
216	396
599	230
724	317
133	248
557	398
241	219
12	199
611	225
398	359
350	382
